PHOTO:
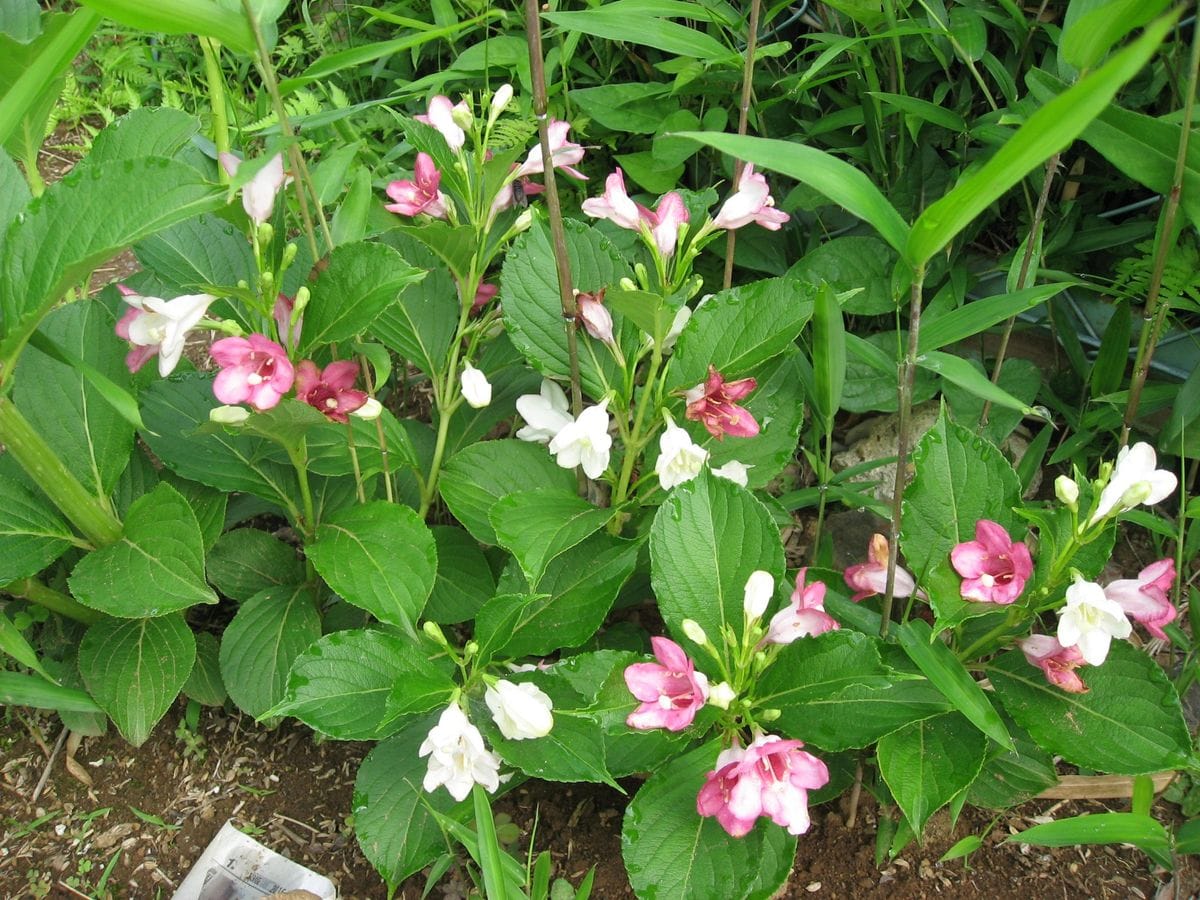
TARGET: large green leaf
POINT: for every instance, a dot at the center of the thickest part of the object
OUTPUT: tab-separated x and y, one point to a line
258	647
135	668
621	21
196	253
362	279
1046	132
1128	723
245	561
204	685
421	324
537	526
92	439
207	18
480	474
707	538
33	690
157	566
14	194
465	584
927	763
150	131
859	263
672	853
32	535
1098	828
1011	777
380	557
838	180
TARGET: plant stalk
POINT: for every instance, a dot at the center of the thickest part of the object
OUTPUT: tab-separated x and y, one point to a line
743	124
92	515
216	99
57	602
1155	315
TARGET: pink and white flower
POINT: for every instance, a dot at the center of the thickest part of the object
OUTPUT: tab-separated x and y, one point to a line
442	114
614	205
1090	621
671	690
870	578
1144	599
594	315
254	370
751	202
804	616
281	312
259	193
330	390
716	796
1057	662
563	153
679	458
994	568
421	194
665	221
153	325
458	757
713	402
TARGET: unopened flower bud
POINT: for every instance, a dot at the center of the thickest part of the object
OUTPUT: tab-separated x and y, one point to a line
229	415
721	695
760	587
289	253
476	389
627	284
369	410
303	295
266	279
243	284
265	233
1136	495
500	101
433	631
694	632
769	715
524	220
1066	490
461	115
470	649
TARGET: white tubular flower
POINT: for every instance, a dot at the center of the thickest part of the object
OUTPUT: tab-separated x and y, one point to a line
1090	621
760	587
372	409
734	471
1134	480
545	413
721	695
584	442
458	757
500	101
259	193
679	459
521	711
1066	490
163	324
476	389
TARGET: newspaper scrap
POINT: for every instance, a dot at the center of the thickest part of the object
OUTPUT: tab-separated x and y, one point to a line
234	866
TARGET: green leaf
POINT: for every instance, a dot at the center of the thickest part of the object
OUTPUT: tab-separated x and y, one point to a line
1108	369
1010	778
14	194
35	691
422	323
616	22
197	253
393	815
118	398
135	668
151	131
859	715
20	20
1086	39
838	180
857	262
706	539
537	526
828	357
924	110
245	561
92	439
672	853
204	685
379	557
14	644
157	567
420	687
1046	132
208	18
533	313
978	316
927	763
360	282
964	375
1128	723
463	587
741	328
960	478
84	220
947	674
340	685
1097	828
32	535
480	474
270	630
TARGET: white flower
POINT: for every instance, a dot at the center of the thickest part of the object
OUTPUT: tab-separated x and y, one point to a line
369	410
165	324
694	631
500	101
1134	480
520	711
585	441
545	413
1066	490
476	389
760	587
258	194
734	471
721	695
458	758
1090	621
679	459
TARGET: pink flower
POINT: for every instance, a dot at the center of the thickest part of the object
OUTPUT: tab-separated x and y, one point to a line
615	204
665	222
993	568
805	615
441	116
751	202
713	402
594	316
258	194
421	195
1144	598
870	578
671	690
484	294
332	390
156	326
1056	661
254	370
771	778
564	153
282	314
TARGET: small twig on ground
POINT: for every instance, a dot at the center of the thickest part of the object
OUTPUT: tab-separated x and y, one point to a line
41	785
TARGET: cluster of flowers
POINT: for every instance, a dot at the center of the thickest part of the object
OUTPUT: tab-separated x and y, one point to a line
585	440
458	756
771	776
995	569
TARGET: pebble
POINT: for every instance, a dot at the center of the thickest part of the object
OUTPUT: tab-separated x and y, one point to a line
813	887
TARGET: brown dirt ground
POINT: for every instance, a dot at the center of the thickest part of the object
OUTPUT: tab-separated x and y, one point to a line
294	794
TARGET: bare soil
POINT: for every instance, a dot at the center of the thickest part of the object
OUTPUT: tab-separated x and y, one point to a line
150	812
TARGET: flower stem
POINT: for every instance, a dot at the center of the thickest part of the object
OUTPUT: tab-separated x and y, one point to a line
57	602
92	515
216	98
299	458
743	122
